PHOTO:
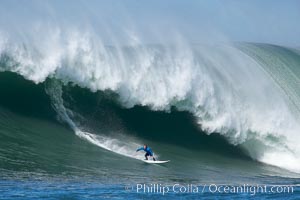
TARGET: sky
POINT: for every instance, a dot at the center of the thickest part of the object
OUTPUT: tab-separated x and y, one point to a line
265	21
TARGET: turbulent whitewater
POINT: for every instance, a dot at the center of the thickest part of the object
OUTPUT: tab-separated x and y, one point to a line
247	93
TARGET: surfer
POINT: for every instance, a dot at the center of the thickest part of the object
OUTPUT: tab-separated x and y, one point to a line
148	151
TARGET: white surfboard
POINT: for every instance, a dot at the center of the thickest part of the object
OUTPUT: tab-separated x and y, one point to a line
156	162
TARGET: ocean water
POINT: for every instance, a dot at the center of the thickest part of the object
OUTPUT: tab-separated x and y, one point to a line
227	116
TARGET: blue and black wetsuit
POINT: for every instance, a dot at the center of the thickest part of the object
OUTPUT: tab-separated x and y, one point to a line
148	151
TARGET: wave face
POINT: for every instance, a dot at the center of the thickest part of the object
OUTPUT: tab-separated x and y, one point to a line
247	93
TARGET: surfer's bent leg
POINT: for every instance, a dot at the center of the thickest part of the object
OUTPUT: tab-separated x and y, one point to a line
152	156
146	156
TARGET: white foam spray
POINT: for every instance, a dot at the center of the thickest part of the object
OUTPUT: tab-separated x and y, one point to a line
125	147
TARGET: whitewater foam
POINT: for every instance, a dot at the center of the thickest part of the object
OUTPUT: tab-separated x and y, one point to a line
126	147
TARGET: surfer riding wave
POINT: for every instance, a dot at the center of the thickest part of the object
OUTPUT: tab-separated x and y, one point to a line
148	151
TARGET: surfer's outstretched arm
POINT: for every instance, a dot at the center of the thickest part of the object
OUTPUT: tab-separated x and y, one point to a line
139	149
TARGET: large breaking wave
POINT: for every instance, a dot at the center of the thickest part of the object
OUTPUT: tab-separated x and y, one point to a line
248	93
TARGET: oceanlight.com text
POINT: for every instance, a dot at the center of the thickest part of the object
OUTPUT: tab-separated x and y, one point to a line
210	188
